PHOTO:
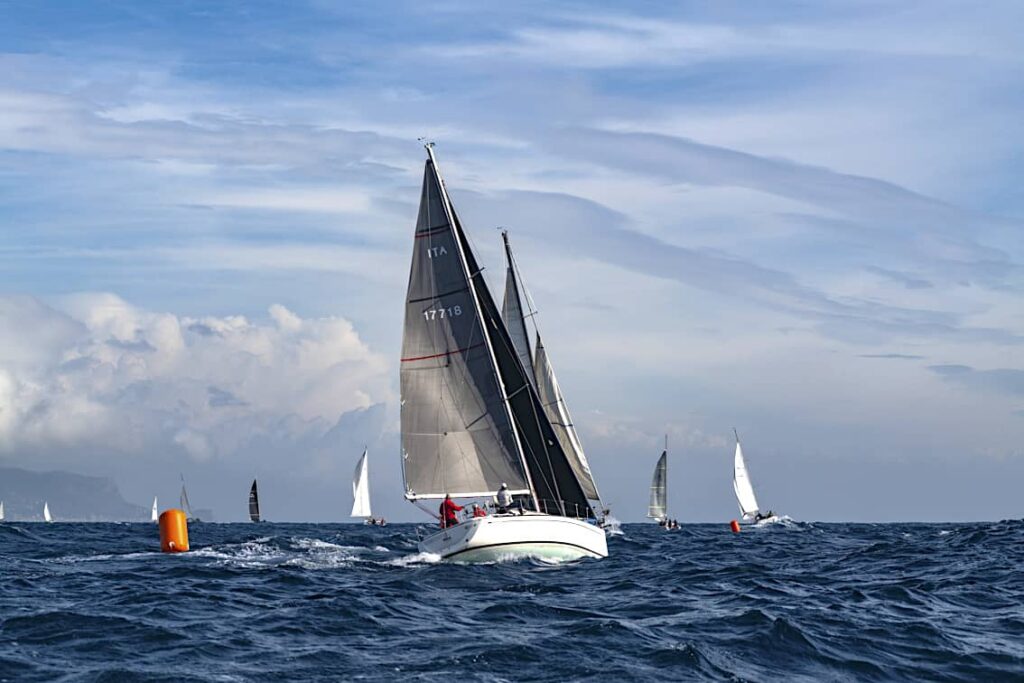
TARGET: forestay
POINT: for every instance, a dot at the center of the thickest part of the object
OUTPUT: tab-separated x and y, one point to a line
658	506
742	486
361	489
457	433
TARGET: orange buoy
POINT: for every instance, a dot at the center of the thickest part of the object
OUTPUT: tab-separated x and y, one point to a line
173	531
734	525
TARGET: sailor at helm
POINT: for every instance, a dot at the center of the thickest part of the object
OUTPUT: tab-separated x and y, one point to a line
503	499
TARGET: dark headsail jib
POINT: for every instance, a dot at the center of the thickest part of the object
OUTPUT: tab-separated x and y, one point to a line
254	503
556	489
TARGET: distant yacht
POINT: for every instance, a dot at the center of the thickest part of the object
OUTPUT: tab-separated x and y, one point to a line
46	512
186	506
1	511
153	516
745	490
658	506
361	492
254	503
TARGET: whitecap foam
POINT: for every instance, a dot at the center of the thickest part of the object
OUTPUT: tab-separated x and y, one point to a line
416	558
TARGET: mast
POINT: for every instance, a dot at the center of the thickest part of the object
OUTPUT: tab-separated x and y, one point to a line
456	230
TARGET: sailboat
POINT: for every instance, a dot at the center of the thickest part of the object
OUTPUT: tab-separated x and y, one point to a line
1	511
47	517
658	506
254	503
745	490
472	419
153	516
186	506
361	492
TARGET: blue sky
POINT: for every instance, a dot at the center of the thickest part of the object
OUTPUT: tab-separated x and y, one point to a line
801	221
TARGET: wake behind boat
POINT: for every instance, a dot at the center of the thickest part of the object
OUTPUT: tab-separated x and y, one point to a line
472	418
745	491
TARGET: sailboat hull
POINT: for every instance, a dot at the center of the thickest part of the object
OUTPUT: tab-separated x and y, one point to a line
502	537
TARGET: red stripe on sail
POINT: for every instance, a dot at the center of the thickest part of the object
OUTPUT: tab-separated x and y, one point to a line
446	353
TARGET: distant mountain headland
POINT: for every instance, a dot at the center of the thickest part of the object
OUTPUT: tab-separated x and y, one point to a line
71	497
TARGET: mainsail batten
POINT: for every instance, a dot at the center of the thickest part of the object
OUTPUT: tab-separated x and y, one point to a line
658	507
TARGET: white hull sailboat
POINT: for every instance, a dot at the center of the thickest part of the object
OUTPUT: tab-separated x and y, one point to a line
153	515
1	511
47	517
744	490
361	492
532	534
472	415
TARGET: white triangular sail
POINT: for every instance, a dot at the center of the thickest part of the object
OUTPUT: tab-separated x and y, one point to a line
1	511
361	489
153	516
742	486
46	512
561	421
658	506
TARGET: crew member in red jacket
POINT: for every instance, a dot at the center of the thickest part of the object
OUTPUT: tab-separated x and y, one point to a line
448	510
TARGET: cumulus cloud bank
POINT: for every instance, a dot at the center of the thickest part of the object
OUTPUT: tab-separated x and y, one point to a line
93	369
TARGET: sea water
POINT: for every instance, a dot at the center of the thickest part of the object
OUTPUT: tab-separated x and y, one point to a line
269	602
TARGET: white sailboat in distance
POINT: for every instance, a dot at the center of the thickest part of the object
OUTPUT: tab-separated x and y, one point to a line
472	420
361	492
153	516
1	511
658	506
744	489
47	517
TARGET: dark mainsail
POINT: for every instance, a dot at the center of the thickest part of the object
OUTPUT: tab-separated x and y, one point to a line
254	503
468	407
457	433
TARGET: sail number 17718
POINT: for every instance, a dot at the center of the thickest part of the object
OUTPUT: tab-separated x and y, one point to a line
442	313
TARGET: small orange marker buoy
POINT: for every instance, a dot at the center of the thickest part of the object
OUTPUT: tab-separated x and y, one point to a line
173	531
735	526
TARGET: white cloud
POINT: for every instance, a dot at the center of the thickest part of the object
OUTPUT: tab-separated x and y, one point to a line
95	370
